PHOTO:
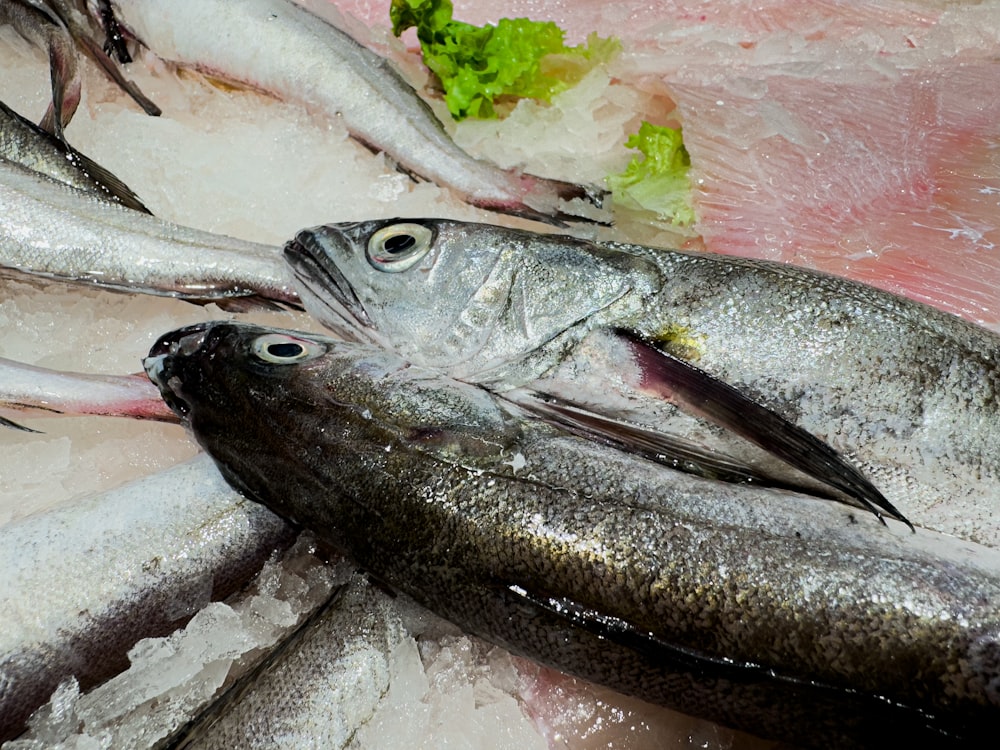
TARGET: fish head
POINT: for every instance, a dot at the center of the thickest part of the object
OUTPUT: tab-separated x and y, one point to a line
272	406
468	298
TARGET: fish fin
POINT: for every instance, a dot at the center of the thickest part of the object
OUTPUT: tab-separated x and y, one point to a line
106	180
4	422
114	41
697	392
664	448
97	54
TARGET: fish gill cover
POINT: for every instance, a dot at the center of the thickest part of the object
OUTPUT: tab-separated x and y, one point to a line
659	181
484	70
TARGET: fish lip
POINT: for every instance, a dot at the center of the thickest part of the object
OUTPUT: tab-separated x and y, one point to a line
165	357
306	258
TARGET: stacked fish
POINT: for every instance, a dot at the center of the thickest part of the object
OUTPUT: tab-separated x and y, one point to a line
704	481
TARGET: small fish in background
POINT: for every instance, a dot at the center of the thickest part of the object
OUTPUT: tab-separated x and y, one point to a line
83	583
52	230
628	343
23	142
281	48
63	30
786	616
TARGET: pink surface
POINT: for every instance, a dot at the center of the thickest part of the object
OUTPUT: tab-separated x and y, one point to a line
858	138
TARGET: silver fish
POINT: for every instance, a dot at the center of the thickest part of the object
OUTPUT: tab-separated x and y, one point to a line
52	230
784	615
84	582
279	47
317	688
27	144
41	391
623	342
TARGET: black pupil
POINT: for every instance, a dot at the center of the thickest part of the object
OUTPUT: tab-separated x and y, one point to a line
284	351
398	243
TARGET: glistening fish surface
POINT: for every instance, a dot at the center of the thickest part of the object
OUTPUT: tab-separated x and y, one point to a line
53	230
280	47
766	610
83	583
605	336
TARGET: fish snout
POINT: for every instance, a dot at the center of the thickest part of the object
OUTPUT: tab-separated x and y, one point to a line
183	341
165	364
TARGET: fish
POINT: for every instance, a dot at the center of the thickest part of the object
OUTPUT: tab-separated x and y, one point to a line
27	144
52	230
41	391
84	582
741	604
281	48
339	660
61	29
38	24
606	336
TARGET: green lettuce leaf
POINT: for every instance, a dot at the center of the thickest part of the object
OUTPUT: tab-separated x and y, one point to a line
659	181
484	70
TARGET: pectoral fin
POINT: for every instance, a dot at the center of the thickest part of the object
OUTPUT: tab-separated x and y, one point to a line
670	450
697	392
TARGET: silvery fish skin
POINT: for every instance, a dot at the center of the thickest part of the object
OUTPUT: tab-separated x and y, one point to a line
281	48
314	690
786	616
903	391
52	230
40	391
84	582
25	143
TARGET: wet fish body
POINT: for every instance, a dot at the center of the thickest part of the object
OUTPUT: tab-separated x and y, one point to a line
41	391
52	230
25	143
903	391
281	48
317	688
739	604
84	582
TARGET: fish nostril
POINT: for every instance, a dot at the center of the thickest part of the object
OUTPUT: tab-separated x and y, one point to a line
185	339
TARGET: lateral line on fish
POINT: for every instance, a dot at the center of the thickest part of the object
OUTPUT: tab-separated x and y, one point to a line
619	631
701	393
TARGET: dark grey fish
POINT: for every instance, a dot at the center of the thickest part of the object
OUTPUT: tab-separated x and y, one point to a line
711	350
784	615
37	23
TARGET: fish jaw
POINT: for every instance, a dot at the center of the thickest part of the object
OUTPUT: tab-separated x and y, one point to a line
331	297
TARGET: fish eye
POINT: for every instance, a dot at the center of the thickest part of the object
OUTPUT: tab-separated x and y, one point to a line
282	349
399	247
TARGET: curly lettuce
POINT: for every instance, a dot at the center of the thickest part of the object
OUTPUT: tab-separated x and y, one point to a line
657	182
484	70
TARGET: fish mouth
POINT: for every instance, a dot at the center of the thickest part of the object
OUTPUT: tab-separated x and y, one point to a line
321	281
162	363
